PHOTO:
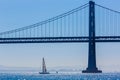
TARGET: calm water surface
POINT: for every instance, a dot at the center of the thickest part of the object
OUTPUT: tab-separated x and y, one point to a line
61	76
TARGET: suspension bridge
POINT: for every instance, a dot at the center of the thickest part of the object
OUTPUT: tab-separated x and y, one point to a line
89	23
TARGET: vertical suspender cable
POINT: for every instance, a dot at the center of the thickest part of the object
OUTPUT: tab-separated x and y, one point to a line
61	28
53	29
77	23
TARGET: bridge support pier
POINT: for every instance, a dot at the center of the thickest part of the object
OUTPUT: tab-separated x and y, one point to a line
92	51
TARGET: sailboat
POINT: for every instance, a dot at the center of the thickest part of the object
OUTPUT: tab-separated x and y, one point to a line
44	70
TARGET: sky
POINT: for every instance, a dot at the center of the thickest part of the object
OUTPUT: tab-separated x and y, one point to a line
19	13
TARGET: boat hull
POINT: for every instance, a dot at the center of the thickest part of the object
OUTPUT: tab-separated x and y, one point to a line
44	73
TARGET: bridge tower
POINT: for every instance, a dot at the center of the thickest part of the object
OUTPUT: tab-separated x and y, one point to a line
92	48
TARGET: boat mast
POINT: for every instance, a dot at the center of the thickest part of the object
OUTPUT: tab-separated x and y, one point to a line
44	70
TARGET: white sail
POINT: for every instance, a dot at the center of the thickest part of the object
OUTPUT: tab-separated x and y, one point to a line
44	70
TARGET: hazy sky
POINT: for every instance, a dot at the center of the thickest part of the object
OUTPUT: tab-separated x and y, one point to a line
20	13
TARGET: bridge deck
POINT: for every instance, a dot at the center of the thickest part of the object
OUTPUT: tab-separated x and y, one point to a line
59	39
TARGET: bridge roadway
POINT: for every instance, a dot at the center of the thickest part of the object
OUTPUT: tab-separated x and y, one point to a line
59	39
